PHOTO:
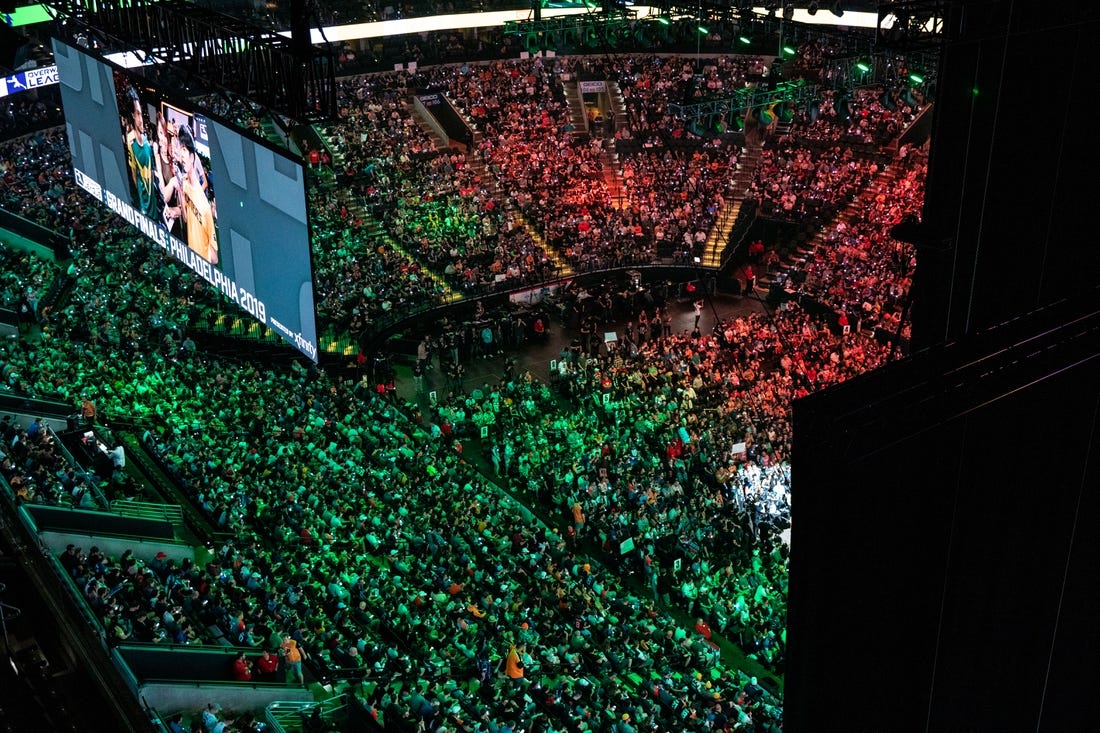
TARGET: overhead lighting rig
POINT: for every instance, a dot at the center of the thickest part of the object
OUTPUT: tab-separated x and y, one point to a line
601	23
289	76
908	25
745	99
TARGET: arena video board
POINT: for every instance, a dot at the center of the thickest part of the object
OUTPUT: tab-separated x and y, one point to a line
229	207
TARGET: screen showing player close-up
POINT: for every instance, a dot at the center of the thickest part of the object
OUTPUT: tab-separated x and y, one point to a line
230	208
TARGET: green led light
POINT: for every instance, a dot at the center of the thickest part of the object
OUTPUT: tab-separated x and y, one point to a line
789	50
863	66
916	78
703	30
745	40
28	15
663	20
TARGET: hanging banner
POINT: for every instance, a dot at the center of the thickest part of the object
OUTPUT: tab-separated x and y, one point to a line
27	80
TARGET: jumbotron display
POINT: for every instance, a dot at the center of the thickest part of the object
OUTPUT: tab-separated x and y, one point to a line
230	208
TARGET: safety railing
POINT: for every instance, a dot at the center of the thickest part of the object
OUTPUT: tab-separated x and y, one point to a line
133	509
286	715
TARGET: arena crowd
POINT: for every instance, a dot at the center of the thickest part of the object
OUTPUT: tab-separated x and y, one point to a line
366	540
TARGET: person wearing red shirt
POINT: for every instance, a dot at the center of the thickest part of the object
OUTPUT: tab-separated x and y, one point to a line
675	449
267	666
242	668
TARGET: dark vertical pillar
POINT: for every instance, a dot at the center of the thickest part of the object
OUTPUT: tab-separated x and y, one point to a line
301	49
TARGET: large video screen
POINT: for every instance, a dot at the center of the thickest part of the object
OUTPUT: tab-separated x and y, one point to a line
229	207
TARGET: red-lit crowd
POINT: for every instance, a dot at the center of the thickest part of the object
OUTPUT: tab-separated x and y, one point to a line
366	537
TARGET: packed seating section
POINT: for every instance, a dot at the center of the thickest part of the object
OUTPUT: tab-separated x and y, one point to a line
360	528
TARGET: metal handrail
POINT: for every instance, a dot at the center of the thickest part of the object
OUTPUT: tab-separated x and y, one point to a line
745	218
135	509
102	502
280	711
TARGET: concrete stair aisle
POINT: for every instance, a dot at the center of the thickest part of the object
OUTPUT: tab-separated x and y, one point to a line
718	238
437	140
270	131
612	170
609	159
719	234
326	134
376	232
793	257
489	180
747	163
561	265
512	212
576	108
818	240
618	105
